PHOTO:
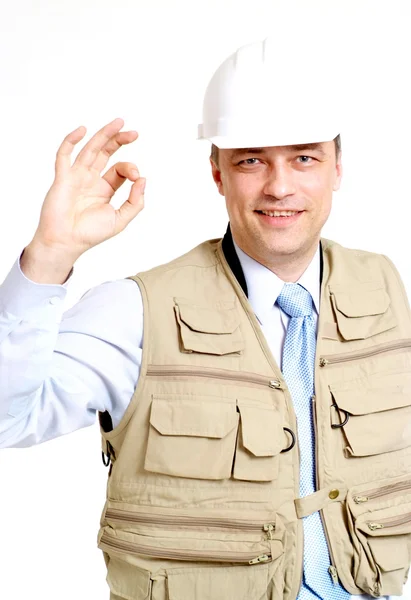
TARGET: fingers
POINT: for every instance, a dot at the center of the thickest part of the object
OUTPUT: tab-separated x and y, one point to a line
98	150
120	139
63	157
118	174
115	177
91	150
132	206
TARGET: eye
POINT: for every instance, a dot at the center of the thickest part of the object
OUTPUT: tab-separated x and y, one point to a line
306	160
249	161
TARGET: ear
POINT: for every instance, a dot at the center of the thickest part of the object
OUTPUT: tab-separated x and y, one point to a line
338	174
217	177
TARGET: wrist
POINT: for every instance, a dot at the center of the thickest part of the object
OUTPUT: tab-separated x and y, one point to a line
46	264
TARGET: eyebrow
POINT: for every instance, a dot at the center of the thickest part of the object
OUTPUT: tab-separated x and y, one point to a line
239	151
300	147
317	146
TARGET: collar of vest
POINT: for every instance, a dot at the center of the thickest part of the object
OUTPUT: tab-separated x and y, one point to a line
235	265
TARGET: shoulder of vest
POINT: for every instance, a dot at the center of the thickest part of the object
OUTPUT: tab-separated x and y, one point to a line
333	249
351	265
203	255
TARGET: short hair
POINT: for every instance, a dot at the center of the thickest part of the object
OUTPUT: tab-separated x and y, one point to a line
337	142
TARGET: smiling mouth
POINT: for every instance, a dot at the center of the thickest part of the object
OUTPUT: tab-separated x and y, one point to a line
279	213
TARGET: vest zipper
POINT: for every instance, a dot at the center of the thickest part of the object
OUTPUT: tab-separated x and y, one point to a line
332	569
383	523
188	521
334	574
171	371
384	491
378	349
197	555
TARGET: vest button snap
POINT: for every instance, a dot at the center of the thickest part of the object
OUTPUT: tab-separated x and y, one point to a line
334	494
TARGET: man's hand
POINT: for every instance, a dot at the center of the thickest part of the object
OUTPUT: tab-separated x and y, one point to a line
76	214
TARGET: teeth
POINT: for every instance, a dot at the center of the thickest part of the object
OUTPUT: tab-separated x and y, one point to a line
278	213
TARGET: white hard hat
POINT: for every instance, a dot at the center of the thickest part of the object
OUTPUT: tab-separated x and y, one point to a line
267	96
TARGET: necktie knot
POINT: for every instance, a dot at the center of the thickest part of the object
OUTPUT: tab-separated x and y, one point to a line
295	301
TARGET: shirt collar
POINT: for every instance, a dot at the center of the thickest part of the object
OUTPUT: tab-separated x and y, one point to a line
264	286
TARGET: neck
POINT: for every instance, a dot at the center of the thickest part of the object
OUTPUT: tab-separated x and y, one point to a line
288	268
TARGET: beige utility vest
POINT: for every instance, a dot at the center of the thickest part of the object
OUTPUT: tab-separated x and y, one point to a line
203	493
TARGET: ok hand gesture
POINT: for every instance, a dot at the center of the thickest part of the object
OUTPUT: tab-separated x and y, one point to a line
76	214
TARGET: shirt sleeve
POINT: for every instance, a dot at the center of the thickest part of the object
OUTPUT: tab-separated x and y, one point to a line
57	369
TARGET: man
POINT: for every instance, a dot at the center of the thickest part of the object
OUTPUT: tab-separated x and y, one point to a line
229	478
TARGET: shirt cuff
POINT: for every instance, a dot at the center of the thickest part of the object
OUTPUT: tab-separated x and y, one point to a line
28	300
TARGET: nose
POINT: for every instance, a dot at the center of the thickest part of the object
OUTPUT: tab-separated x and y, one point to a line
280	182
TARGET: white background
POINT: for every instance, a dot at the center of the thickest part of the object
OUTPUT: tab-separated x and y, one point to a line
70	62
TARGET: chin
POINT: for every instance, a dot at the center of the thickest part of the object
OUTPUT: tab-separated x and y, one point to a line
283	249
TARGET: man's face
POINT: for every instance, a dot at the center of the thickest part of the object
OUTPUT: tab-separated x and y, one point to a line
259	184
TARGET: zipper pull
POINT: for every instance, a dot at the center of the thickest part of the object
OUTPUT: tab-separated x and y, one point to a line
269	528
359	499
334	574
323	362
274	383
374	526
260	559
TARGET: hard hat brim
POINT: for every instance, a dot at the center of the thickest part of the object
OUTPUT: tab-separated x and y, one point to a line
266	138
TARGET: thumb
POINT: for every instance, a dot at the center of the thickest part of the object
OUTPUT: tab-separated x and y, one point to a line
132	206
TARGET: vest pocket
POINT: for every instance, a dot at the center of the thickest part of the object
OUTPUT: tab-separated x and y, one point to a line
228	551
260	442
209	330
127	582
192	436
199	437
237	583
376	413
203	558
362	311
379	517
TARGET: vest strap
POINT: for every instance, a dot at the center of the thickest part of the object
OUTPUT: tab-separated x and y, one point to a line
310	504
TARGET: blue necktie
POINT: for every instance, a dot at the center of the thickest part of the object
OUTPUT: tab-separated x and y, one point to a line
298	371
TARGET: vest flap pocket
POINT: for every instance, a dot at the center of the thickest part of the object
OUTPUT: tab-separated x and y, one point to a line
380	521
376	413
209	319
192	436
362	311
128	581
261	428
390	557
192	416
356	302
260	441
210	329
232	583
